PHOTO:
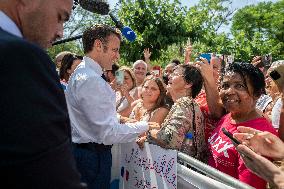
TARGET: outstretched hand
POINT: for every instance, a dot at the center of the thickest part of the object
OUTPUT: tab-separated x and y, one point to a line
147	53
140	141
205	68
263	143
256	60
261	166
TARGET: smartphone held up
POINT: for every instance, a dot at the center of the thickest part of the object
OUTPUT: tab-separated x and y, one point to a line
207	56
156	71
230	136
119	77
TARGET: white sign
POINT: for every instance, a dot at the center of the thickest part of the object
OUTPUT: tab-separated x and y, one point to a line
150	168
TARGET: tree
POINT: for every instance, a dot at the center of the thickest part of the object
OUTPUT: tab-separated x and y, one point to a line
157	23
203	22
258	30
78	22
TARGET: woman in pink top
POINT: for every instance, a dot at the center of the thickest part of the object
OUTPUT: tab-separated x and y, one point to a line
240	88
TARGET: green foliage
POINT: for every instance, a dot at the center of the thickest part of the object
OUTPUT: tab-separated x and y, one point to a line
258	30
78	22
204	19
173	51
157	23
71	46
203	22
165	25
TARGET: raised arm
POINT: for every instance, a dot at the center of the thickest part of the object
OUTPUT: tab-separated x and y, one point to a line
147	55
213	99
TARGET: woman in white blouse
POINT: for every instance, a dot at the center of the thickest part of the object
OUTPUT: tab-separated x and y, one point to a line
152	105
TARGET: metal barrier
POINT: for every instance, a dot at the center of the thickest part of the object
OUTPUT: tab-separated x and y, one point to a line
211	178
189	179
199	176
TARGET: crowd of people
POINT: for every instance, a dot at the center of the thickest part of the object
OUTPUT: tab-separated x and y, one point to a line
61	118
191	98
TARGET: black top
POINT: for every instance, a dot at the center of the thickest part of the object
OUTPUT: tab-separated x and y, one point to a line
35	137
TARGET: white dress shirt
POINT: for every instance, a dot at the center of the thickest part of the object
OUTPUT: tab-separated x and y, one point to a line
8	25
92	108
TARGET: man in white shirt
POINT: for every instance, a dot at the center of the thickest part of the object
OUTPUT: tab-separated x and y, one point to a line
91	105
35	143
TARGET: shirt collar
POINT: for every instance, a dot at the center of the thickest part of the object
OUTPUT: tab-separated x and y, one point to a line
8	25
93	65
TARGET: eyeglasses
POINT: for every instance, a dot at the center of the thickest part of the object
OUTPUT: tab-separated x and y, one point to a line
168	71
176	74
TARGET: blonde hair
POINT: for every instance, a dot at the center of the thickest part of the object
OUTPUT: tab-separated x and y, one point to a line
130	72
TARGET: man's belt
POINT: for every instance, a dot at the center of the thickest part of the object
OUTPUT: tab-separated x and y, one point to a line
92	146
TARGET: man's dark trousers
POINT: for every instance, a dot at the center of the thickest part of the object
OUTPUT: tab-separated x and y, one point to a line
94	163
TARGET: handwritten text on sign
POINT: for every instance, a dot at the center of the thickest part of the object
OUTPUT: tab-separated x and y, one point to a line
150	168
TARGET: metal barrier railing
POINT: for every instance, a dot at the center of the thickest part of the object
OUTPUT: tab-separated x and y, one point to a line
190	179
208	171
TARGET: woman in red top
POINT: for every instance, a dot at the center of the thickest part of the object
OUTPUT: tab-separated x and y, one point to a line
240	88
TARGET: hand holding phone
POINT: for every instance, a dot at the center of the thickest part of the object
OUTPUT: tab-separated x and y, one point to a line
207	56
156	70
230	136
119	77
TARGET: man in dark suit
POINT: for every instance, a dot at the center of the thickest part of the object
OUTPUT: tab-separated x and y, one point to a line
35	145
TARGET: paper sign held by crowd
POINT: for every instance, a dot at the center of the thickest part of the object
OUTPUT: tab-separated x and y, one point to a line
150	168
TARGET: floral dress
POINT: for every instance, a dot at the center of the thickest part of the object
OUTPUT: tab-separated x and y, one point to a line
184	117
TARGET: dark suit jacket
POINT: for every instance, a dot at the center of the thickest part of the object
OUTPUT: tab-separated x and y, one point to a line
35	145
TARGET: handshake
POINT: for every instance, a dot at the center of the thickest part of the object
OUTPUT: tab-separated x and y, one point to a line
152	125
153	128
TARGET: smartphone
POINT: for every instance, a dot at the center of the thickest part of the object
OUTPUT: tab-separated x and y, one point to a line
156	70
119	77
230	136
156	73
207	56
277	74
266	60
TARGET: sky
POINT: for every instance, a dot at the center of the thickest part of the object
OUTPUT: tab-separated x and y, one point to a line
237	4
189	3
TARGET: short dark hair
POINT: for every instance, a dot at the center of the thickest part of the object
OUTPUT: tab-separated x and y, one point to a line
192	76
114	68
100	32
250	74
66	63
175	61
